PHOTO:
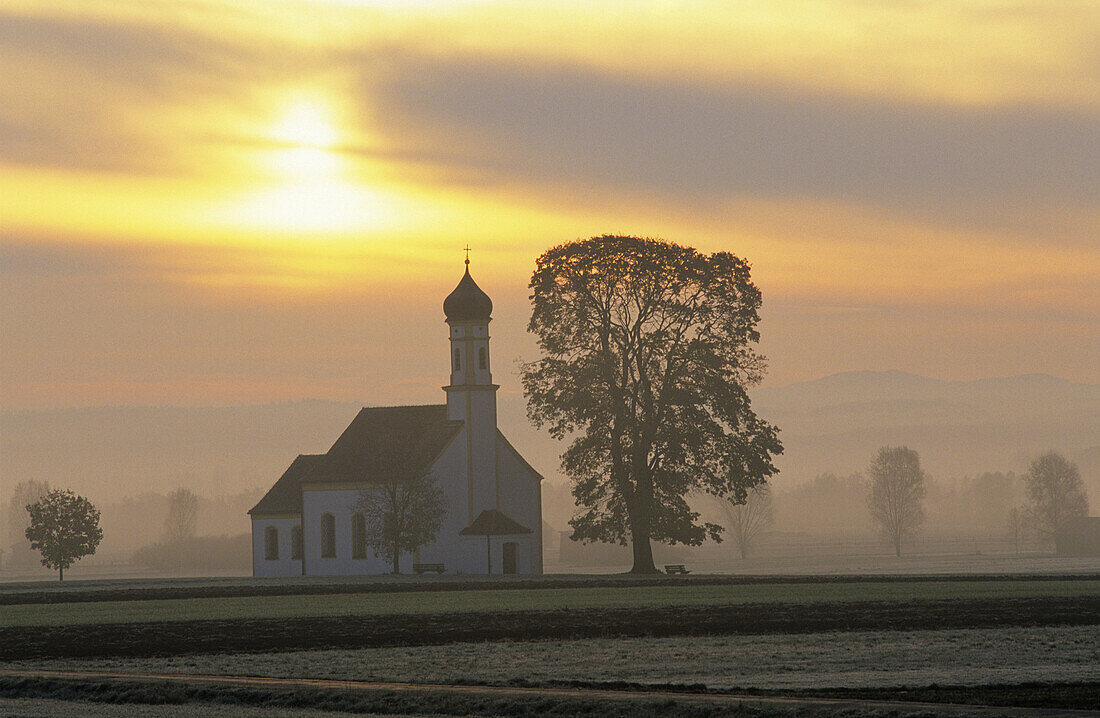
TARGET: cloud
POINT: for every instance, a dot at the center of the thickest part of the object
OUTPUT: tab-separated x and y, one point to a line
101	94
490	121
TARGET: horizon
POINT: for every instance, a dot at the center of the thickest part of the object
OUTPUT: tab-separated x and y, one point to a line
351	401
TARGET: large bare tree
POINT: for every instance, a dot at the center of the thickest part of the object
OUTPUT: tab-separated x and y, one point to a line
1055	492
749	518
897	493
183	516
647	353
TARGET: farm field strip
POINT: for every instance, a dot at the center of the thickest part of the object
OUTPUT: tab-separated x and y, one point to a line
486	601
512	700
857	659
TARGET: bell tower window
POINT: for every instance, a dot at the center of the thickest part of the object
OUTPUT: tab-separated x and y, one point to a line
458	360
482	359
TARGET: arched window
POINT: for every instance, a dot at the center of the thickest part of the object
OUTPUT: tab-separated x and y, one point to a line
482	358
271	543
358	536
458	360
296	543
328	536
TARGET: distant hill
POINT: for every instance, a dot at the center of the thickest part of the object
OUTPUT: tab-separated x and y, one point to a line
830	424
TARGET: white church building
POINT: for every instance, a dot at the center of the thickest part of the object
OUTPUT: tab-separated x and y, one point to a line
308	524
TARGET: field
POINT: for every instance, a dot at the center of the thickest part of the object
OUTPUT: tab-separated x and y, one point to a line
1010	640
857	659
668	593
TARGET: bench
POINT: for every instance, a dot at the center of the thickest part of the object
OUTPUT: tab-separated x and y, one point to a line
427	567
676	568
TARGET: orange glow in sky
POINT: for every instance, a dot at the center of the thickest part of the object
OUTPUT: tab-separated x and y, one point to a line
922	179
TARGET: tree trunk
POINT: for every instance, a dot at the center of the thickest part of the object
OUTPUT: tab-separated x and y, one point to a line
643	555
639	539
897	546
60	573
639	506
396	558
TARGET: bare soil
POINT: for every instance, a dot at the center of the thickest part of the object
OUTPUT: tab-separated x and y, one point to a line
365	631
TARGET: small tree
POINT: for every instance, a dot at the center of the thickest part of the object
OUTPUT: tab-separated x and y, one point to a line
401	515
896	492
1056	493
749	518
64	528
183	514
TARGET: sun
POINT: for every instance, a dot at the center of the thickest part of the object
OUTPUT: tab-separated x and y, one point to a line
313	182
306	138
306	123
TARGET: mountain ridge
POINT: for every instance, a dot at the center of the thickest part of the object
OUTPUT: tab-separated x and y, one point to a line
830	424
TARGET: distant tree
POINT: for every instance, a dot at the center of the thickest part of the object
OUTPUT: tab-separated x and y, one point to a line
183	514
897	491
749	518
24	493
1055	492
64	528
1017	523
647	356
828	503
401	514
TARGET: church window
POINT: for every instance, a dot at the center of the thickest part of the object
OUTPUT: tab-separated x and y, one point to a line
358	536
296	543
482	358
328	536
271	543
458	360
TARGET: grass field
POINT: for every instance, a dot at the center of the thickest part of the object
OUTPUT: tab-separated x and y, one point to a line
858	659
481	601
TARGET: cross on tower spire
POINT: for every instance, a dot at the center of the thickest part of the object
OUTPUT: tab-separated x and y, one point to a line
467	255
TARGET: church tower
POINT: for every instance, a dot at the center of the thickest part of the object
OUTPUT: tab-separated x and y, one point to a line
472	395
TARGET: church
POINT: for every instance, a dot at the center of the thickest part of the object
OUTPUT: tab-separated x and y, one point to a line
308	524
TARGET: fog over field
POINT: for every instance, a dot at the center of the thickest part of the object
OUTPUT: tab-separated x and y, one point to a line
974	440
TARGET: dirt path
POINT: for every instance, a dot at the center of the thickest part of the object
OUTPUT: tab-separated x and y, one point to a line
476	692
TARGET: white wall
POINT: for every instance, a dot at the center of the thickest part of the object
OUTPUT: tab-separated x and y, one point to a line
519	496
458	554
284	566
521	500
340	504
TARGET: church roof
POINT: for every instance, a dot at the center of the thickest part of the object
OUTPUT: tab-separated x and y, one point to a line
286	495
381	443
492	522
467	302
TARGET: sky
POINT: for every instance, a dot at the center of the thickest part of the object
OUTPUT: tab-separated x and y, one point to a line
210	202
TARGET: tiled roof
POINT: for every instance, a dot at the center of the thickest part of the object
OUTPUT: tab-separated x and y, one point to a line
381	443
286	495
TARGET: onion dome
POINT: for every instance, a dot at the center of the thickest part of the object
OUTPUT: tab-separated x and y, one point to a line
467	303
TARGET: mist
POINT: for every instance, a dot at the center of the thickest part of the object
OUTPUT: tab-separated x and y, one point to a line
974	440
